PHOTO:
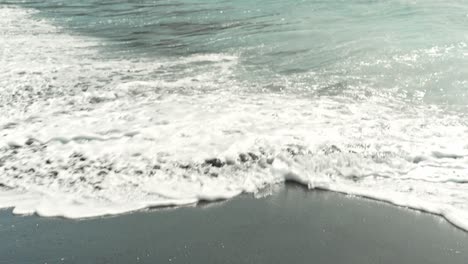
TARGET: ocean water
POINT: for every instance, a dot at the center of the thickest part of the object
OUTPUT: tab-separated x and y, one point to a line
114	106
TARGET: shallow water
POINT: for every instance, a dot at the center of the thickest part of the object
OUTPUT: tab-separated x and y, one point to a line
109	107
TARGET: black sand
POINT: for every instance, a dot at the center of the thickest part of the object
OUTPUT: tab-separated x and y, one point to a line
291	226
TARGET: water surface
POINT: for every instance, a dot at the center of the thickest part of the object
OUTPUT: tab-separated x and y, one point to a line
114	106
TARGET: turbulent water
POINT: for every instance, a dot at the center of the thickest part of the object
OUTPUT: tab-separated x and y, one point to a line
113	106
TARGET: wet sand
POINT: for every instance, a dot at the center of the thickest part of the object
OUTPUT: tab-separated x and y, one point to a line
292	225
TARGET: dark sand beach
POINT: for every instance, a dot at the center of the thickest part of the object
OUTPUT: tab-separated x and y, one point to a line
292	225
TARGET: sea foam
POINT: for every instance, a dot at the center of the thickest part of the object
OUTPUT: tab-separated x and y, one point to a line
85	136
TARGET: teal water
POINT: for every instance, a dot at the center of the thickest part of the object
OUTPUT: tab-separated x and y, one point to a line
415	49
114	106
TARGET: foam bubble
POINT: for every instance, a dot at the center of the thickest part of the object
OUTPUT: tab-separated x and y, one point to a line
115	136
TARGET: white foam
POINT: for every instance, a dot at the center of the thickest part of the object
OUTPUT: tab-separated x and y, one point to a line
137	141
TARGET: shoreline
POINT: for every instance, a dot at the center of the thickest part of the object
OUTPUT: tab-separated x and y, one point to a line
458	224
419	206
287	223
